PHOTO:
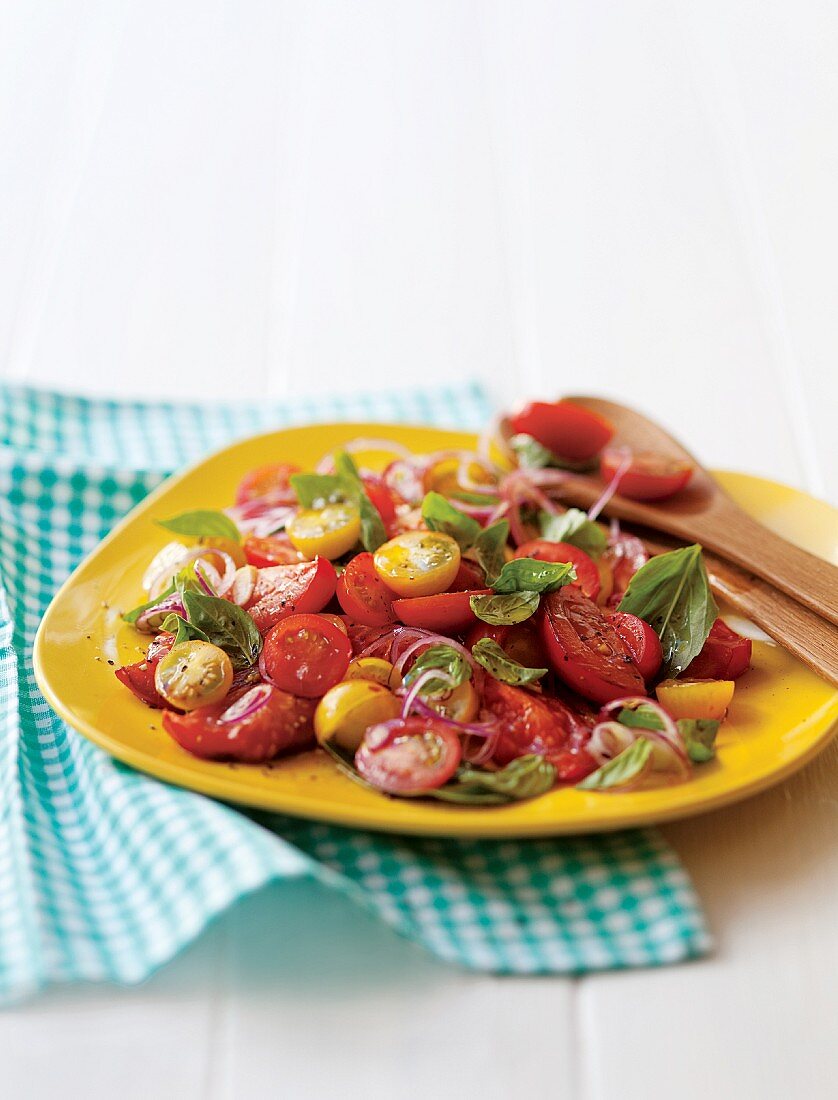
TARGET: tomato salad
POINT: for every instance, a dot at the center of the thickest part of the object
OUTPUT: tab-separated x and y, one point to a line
443	627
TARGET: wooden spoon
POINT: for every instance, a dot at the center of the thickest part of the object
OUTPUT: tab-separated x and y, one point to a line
703	512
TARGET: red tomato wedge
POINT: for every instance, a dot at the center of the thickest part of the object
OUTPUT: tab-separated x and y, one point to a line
271	482
363	595
522	643
272	550
445	613
725	655
139	677
532	723
649	476
624	555
382	498
587	574
418	754
641	641
470	577
306	654
566	429
585	650
260	725
283	590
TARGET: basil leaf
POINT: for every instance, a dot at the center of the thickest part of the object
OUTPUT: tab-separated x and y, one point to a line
225	625
532	455
532	575
439	515
373	533
671	592
186	580
202	524
443	657
489	547
497	663
475	498
183	631
315	490
505	610
622	769
643	718
574	527
526	777
699	737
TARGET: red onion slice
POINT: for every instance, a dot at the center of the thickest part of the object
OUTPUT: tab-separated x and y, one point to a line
152	618
612	486
412	695
248	704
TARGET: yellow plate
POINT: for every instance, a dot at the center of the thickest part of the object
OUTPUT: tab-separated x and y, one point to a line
781	716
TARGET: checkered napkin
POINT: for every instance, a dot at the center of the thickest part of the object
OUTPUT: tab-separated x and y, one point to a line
105	873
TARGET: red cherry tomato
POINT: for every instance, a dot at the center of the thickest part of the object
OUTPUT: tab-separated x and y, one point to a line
470	577
445	613
649	476
532	723
382	498
282	723
420	754
273	550
724	656
585	650
641	641
271	482
587	574
565	429
139	677
283	590
306	655
363	595
624	555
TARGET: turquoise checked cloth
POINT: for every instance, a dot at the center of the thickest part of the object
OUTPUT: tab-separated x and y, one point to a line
105	874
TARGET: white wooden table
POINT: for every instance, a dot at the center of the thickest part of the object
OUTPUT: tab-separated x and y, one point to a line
632	198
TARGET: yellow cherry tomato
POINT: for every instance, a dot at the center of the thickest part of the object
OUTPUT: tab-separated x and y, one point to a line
375	669
347	710
194	674
462	704
418	563
328	531
442	477
227	546
695	698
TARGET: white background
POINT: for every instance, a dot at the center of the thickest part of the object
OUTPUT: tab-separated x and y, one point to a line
631	198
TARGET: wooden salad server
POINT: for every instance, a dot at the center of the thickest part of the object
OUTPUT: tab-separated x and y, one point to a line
703	512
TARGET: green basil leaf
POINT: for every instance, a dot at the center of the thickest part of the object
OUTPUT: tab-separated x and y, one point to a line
439	515
373	533
316	490
202	524
134	614
622	769
499	664
700	737
532	455
574	527
643	718
225	625
489	547
183	631
671	592
532	575
475	498
526	777
505	610
443	657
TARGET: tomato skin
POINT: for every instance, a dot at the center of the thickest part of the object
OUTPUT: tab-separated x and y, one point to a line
381	498
283	590
139	676
625	555
725	655
446	613
585	650
470	577
641	641
521	642
271	483
284	724
649	476
565	429
306	655
587	574
363	595
419	755
272	550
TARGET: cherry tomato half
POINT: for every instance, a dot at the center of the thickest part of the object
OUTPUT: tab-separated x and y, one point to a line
272	550
445	613
260	725
284	590
418	563
420	754
624	555
381	498
363	595
193	674
266	483
649	476
724	656
585	650
565	429
641	641
587	574
470	577
139	676
306	655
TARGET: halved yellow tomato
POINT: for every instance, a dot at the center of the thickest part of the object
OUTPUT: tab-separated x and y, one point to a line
194	674
375	669
418	563
462	704
442	476
328	531
347	710
695	698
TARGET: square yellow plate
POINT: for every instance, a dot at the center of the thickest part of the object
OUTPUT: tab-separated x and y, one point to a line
781	716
